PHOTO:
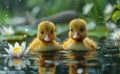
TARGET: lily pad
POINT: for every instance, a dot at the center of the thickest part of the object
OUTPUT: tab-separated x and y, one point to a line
25	30
11	37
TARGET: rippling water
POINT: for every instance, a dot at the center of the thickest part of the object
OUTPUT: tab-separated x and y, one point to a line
104	60
63	62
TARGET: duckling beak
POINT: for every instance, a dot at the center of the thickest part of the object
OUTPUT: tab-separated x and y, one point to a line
47	38
76	36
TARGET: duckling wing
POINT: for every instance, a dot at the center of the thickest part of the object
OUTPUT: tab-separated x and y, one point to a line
35	43
90	44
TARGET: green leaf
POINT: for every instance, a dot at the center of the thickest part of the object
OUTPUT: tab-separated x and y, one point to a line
118	6
25	30
116	16
99	32
11	37
61	29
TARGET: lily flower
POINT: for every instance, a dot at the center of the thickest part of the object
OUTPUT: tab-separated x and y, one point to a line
110	25
108	9
7	30
87	8
115	35
91	25
17	50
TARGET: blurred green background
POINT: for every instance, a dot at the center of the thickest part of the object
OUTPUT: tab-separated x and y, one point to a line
102	17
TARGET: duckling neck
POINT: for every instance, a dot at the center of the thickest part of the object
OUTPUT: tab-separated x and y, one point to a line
47	42
80	40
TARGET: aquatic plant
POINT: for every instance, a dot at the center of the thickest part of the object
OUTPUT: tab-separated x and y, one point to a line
7	30
17	50
115	35
87	8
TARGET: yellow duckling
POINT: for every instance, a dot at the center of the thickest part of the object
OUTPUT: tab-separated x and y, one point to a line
78	39
45	40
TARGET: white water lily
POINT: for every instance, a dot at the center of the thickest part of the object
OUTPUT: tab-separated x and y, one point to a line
110	25
7	30
17	63
17	50
91	25
108	9
115	35
87	8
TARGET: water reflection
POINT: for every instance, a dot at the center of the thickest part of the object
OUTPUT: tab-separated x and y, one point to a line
75	61
62	62
80	61
17	63
46	67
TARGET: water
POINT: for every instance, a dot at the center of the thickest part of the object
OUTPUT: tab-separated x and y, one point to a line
62	62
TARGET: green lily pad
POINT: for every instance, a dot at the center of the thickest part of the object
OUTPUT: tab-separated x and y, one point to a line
25	30
11	37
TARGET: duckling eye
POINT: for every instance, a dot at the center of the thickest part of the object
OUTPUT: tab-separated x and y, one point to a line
71	29
51	31
81	29
41	32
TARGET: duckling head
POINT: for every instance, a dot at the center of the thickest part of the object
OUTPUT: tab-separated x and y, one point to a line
46	31
77	29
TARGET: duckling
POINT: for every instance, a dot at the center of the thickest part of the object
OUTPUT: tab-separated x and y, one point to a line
45	40
78	39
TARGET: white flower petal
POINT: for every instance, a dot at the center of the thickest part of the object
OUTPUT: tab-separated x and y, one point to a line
16	44
91	25
26	51
22	50
23	45
10	48
87	8
110	26
4	28
11	30
7	51
108	9
115	35
10	62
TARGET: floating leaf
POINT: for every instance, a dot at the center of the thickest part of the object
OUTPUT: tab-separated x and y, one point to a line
11	37
116	15
25	30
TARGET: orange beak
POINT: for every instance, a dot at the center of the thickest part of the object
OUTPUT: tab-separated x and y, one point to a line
47	38
76	36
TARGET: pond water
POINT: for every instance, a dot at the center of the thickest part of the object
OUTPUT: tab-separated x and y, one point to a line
101	61
23	16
